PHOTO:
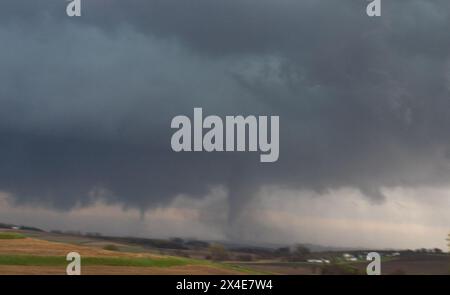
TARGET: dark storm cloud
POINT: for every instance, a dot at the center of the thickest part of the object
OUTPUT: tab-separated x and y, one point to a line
86	102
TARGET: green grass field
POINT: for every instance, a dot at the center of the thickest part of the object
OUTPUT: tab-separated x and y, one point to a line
30	260
10	236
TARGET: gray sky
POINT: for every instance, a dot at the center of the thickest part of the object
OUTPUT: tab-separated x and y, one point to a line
86	105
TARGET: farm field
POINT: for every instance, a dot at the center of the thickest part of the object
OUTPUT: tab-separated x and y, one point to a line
24	255
44	253
422	265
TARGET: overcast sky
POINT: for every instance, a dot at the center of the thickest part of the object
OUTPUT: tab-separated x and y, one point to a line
86	105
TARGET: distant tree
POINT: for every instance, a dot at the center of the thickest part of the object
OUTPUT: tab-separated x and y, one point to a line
448	240
283	251
301	250
437	250
218	252
300	253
